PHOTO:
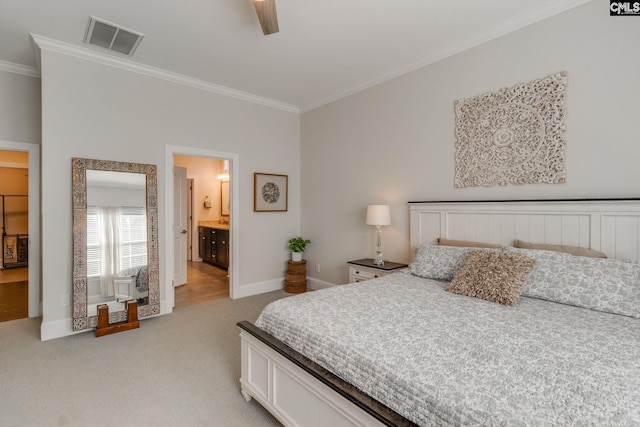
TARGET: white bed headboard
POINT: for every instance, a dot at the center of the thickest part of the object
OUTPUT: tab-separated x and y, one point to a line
611	226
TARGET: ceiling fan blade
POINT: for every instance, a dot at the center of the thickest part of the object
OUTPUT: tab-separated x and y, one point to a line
266	10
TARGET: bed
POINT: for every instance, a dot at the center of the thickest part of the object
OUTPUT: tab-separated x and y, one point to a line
400	350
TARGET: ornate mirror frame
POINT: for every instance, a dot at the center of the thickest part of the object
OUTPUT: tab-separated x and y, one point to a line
79	167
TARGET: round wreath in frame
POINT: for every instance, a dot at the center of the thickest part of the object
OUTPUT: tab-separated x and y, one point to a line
270	192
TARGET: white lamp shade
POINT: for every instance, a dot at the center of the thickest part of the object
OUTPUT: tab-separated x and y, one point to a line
378	215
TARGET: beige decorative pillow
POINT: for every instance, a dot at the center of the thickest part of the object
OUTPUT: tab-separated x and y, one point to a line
467	243
493	276
573	250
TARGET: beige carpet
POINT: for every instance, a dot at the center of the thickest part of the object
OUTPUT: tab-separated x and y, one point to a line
180	369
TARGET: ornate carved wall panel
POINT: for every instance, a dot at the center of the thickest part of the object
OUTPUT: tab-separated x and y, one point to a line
513	136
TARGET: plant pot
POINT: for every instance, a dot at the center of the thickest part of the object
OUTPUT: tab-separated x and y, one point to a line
296	256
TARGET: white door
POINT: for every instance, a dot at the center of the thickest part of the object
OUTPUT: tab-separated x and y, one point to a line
179	226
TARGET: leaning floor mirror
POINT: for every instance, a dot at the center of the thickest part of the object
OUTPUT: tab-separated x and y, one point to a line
115	239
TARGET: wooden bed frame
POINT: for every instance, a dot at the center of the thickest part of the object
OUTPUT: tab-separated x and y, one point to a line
298	392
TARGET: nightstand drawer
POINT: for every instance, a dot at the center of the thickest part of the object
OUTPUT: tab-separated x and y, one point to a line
364	269
362	274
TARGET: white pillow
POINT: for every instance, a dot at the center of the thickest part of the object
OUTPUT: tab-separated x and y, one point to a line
608	285
438	262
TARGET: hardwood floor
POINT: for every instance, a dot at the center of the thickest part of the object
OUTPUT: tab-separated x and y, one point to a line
14	294
205	283
14	274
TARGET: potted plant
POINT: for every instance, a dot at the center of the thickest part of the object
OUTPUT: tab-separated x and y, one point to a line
297	246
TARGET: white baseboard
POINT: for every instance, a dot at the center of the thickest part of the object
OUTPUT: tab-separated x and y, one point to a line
164	309
277	284
258	288
58	329
316	284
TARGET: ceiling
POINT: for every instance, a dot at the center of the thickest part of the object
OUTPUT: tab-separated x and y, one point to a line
325	49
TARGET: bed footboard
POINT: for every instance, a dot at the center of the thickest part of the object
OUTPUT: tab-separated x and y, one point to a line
298	392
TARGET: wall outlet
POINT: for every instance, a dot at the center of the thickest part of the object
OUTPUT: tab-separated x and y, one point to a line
317	268
65	300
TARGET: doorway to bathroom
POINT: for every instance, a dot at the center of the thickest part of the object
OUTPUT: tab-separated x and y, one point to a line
201	197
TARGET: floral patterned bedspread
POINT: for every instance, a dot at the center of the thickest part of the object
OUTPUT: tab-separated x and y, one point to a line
443	359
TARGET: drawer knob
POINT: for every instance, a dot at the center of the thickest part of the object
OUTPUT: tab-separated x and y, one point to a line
375	275
357	272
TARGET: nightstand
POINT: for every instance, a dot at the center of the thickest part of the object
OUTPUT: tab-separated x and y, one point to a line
365	269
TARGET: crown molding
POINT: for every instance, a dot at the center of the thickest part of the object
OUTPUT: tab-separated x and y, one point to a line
46	43
521	21
23	70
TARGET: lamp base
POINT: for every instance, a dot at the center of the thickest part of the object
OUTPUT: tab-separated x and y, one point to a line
378	259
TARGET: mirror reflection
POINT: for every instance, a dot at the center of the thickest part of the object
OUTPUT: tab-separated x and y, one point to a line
116	239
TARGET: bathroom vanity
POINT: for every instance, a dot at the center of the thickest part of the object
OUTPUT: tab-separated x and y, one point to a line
214	243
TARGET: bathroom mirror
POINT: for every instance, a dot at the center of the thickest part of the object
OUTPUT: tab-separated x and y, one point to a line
115	239
224	198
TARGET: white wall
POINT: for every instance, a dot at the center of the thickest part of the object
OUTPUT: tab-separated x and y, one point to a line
19	108
394	143
205	171
96	111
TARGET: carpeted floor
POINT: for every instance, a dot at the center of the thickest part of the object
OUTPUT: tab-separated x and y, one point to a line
180	369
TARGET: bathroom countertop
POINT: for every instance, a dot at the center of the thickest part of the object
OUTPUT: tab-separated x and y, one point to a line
213	224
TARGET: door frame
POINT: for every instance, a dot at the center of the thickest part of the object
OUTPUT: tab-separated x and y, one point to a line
190	205
195	253
234	223
35	260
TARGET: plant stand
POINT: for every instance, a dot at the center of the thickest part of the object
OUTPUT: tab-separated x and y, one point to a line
295	281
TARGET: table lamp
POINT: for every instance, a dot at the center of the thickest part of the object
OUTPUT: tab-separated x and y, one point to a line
378	215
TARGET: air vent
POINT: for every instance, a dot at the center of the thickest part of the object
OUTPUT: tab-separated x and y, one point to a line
112	37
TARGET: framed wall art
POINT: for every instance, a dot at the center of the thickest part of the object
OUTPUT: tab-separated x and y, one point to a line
270	192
